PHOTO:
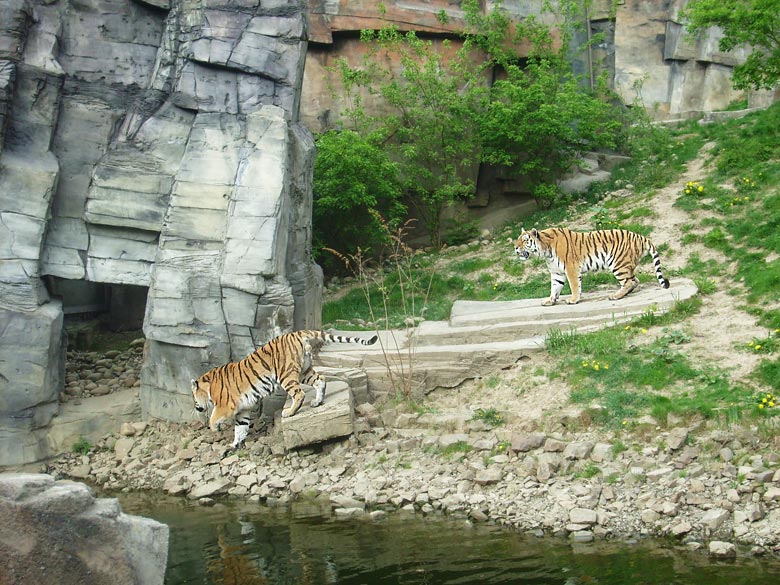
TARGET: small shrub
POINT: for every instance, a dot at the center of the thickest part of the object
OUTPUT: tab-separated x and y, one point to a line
489	416
81	446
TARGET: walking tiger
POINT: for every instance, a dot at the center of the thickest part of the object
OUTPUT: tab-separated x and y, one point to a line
235	388
569	254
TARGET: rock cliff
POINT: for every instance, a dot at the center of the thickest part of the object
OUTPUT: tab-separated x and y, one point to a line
157	144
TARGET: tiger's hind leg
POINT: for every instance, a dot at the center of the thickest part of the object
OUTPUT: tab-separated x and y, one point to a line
312	378
628	282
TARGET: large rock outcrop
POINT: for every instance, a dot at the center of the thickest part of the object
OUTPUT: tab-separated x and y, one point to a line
58	533
153	143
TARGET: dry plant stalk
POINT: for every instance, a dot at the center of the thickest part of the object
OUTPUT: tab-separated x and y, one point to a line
399	361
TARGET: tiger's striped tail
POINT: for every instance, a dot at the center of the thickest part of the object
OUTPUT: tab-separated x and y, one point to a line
346	339
663	281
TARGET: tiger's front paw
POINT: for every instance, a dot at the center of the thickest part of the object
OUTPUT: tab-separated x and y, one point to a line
548	303
287	412
572	301
315	403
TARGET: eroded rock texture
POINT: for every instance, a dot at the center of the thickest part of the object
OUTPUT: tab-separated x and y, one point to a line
58	533
152	143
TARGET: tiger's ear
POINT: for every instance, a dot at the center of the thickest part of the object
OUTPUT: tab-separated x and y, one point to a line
535	233
194	383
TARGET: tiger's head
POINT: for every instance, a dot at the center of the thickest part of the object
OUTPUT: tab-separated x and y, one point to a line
527	243
201	393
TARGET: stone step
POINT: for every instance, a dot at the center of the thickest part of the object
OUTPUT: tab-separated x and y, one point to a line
482	337
332	419
487	321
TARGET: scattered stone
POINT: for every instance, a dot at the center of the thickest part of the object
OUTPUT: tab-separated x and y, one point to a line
676	439
722	550
213	488
524	443
583	516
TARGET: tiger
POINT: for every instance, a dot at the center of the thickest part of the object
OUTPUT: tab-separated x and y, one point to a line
233	389
570	254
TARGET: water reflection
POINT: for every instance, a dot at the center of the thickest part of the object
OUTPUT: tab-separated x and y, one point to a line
253	545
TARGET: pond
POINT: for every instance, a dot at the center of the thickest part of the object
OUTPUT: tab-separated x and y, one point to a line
304	544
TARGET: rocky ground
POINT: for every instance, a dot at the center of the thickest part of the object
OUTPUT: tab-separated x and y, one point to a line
698	484
97	373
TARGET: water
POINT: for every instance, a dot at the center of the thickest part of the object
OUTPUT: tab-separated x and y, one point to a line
241	544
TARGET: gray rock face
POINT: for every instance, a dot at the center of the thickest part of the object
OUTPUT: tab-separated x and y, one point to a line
57	532
152	143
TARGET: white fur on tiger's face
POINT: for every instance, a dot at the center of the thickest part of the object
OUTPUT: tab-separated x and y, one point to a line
201	395
527	244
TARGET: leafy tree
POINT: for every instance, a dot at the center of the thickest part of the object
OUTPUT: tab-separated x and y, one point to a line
744	22
538	120
428	127
446	115
537	117
353	182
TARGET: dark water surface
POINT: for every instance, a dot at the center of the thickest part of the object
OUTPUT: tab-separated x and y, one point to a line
305	545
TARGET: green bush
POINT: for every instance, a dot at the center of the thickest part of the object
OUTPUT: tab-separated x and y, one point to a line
355	187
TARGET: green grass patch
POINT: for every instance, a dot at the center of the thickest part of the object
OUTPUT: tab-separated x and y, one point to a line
490	416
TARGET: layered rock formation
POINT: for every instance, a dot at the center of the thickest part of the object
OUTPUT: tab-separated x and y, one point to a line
57	532
151	143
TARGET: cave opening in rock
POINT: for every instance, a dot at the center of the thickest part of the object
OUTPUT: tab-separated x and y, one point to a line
103	330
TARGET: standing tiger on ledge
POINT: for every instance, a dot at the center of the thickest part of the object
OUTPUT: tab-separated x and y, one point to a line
569	254
284	362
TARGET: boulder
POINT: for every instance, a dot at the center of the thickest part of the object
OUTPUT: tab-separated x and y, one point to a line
58	533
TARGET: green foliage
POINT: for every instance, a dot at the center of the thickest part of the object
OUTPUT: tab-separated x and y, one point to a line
81	446
489	416
354	184
440	119
428	130
754	23
459	448
537	119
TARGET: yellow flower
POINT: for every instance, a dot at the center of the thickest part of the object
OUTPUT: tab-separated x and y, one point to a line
624	422
758	347
606	366
644	330
771	405
761	406
764	399
701	188
750	344
596	367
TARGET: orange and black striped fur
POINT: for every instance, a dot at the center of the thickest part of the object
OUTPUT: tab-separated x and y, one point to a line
234	389
570	254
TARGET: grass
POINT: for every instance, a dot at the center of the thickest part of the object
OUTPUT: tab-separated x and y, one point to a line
490	416
624	372
81	446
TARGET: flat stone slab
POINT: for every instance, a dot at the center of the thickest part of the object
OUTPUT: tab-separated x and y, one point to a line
92	418
592	305
333	418
482	337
